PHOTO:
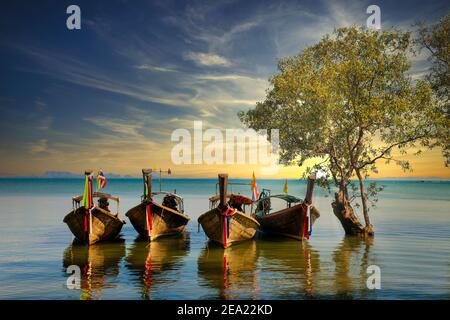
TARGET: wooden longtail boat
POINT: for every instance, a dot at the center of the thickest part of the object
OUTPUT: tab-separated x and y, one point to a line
88	222
225	223
294	221
153	220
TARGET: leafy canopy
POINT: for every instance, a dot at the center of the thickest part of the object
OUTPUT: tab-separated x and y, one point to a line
436	40
348	100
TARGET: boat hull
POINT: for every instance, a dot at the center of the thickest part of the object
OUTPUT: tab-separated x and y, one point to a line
104	226
288	222
165	221
242	227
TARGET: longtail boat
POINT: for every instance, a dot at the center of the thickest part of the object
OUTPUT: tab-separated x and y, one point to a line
152	219
225	223
295	221
90	223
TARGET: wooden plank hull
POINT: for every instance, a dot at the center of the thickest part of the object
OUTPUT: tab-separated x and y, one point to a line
242	227
104	227
165	221
288	222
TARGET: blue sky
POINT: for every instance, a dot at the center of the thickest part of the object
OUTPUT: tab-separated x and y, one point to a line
111	93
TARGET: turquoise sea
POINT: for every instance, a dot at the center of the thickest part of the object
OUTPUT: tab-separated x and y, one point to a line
411	247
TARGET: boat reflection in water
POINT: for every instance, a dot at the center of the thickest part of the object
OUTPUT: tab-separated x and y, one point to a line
99	265
352	257
233	271
293	263
150	262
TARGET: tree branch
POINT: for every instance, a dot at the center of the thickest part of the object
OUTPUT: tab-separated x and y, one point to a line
381	155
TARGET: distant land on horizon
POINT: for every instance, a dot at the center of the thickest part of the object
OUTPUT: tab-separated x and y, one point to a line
71	175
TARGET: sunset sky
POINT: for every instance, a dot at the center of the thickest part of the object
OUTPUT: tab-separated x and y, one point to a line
110	95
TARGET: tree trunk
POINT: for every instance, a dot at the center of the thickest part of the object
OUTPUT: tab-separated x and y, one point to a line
368	228
344	212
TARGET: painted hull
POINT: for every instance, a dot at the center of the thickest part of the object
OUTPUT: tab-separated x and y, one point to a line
104	226
242	227
165	221
288	222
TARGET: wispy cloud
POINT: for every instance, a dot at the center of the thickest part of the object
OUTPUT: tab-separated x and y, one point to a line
145	77
207	59
155	68
45	123
38	146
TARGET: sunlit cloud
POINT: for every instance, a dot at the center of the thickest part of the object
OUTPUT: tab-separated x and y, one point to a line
155	68
39	146
138	80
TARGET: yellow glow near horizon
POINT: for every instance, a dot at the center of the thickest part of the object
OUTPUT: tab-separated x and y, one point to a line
129	162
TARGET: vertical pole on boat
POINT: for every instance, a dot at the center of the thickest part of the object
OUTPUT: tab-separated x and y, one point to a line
310	188
87	203
148	183
307	206
223	184
148	197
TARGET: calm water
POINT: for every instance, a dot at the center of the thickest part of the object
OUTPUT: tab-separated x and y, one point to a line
412	248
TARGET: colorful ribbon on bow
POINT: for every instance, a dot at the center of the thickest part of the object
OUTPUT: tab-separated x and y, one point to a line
149	220
87	201
307	221
226	224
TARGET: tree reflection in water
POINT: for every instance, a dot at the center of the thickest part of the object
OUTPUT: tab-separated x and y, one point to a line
351	260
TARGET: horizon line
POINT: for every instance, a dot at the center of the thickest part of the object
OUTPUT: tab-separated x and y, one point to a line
116	176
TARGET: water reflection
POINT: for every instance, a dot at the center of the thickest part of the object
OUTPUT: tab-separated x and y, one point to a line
149	261
99	265
351	259
296	264
232	272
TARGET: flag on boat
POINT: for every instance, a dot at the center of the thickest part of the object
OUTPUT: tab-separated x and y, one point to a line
101	180
285	188
255	192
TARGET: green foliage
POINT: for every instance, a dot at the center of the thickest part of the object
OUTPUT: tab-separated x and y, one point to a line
334	99
372	191
349	101
436	40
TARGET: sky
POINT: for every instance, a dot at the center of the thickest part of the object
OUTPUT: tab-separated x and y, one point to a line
110	95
